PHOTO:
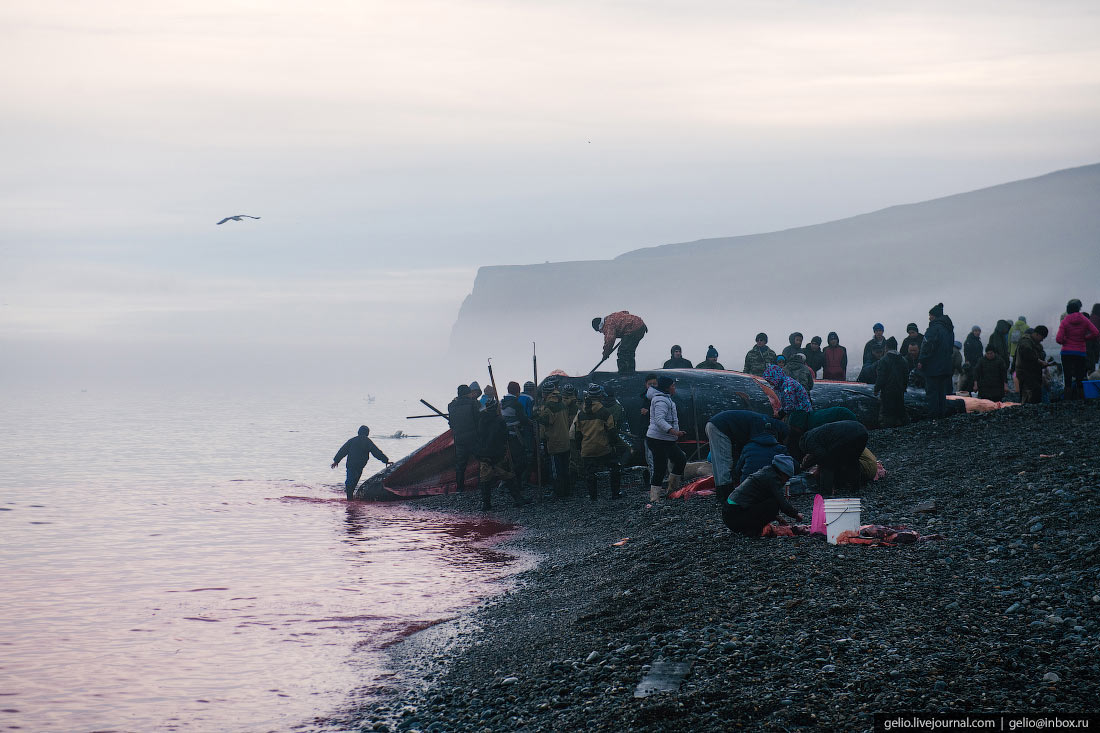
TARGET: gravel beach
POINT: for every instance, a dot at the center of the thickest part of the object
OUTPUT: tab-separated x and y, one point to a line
792	633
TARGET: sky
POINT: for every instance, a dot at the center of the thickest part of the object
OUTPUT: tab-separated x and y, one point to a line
392	148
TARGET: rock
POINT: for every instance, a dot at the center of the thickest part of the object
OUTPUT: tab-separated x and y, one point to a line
1051	677
594	656
926	507
829	669
509	680
1036	528
1013	608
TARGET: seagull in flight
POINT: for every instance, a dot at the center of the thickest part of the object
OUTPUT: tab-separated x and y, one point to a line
238	217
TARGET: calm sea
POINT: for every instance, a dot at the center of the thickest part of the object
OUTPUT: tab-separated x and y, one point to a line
188	562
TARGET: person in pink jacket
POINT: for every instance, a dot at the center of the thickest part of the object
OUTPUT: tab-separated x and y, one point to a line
1073	332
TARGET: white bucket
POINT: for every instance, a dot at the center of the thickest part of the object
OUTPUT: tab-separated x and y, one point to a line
840	515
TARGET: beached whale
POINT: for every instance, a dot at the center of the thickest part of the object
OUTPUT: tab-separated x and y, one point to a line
700	394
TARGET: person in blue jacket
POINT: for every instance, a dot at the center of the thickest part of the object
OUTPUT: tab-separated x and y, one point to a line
358	451
758	452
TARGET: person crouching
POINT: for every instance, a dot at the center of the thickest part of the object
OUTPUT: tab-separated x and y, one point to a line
759	498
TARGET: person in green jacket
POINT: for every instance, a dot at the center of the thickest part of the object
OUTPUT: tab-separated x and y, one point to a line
760	357
553	416
1015	334
711	362
593	434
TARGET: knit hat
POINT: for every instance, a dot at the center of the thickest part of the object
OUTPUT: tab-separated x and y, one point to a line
816	340
712	353
878	327
549	386
463	390
594	390
784	464
762	337
936	311
891	344
780	359
911	327
1021	318
958	344
664	384
674	349
596	323
569	389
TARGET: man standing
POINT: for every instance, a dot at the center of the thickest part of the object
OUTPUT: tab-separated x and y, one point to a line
677	360
711	362
878	339
795	347
553	416
912	336
462	417
492	455
935	360
815	357
594	434
1031	360
891	381
626	327
990	375
760	357
972	353
868	373
358	450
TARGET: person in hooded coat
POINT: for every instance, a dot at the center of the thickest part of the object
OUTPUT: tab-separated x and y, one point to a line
972	353
757	453
759	356
792	396
727	433
662	436
1014	335
836	360
835	449
891	381
935	360
677	360
757	500
999	340
1031	361
815	358
553	416
358	451
462	418
800	422
795	347
869	372
990	375
797	370
492	455
1074	333
711	362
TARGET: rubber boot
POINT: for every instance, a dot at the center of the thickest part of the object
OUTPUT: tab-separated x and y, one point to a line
486	495
674	482
654	493
592	488
616	486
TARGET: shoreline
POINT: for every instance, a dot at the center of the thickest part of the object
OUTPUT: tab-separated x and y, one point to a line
789	633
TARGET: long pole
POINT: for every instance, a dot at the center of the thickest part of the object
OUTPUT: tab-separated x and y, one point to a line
606	357
500	413
538	428
695	419
433	408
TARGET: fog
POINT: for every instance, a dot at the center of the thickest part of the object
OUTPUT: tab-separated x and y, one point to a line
392	150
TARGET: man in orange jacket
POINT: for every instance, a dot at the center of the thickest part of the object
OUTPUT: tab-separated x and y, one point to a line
626	327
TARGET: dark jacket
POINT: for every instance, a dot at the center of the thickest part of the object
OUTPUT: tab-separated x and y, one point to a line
739	425
704	364
917	339
991	374
359	450
836	363
815	360
868	374
515	417
823	441
972	349
999	339
892	375
674	363
462	415
1030	357
867	356
492	435
756	454
790	351
938	346
763	487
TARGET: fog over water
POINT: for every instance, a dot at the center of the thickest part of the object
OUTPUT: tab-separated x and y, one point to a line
392	150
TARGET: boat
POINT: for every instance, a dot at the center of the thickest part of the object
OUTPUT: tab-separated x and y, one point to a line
700	394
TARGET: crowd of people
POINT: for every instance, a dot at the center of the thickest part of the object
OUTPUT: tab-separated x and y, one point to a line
577	435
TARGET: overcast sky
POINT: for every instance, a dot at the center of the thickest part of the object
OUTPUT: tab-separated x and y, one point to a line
391	148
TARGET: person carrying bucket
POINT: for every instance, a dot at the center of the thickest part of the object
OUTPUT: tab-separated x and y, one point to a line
759	498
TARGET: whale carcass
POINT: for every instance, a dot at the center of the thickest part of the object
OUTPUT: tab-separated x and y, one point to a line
700	394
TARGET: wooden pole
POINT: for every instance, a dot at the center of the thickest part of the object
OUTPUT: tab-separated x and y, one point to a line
538	428
433	408
606	357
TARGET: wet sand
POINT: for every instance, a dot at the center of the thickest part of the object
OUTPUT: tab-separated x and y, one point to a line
792	633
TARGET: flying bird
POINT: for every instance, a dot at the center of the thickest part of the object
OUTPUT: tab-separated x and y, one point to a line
238	217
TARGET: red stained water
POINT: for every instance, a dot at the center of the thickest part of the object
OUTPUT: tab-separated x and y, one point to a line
172	599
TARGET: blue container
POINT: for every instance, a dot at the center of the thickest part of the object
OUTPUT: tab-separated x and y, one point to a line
1092	388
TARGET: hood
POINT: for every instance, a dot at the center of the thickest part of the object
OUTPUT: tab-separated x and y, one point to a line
774	375
364	431
652	392
1003	327
765	439
945	321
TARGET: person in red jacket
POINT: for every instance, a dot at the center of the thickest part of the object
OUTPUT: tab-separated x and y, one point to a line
626	327
836	360
1073	333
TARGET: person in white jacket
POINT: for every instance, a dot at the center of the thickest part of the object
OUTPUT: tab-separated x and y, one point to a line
664	431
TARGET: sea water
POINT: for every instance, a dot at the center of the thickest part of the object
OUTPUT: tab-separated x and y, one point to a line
183	561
